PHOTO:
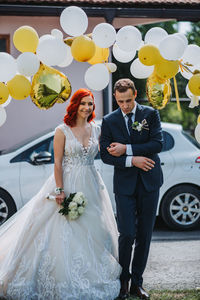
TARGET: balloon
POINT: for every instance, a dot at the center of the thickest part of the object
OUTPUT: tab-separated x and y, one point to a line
74	21
172	47
194	99
111	67
2	116
26	39
140	71
148	55
155	35
4	93
28	64
44	37
158	91
194	84
104	35
166	69
67	59
82	48
191	55
7	102
51	51
121	55
198	120
97	77
100	56
182	37
128	38
187	74
197	133
8	67
57	33
48	87
19	87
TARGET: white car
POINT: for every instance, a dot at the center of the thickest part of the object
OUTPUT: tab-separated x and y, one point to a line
24	170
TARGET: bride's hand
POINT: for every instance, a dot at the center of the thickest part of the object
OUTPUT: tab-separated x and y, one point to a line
60	198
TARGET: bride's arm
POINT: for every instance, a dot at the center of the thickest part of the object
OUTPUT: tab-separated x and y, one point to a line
59	145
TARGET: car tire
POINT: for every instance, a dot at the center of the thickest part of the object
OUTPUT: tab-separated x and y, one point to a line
180	207
7	206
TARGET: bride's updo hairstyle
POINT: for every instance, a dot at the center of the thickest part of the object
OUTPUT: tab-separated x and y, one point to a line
70	116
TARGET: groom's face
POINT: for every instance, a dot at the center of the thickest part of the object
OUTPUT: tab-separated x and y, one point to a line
125	100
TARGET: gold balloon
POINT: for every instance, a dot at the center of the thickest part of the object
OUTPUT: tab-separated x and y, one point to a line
166	69
26	39
4	93
149	55
48	87
100	56
198	119
19	87
194	84
158	91
83	48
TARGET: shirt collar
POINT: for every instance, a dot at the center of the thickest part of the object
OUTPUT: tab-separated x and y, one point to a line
133	110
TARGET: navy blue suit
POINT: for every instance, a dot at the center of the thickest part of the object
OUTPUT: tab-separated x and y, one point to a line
136	191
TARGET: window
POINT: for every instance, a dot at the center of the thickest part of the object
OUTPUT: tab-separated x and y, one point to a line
191	139
5	43
168	141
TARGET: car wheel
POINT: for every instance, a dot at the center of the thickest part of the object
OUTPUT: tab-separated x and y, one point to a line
180	208
7	206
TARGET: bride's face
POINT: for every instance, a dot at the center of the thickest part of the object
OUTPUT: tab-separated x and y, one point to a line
86	107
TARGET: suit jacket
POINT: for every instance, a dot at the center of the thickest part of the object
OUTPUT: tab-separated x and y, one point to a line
145	143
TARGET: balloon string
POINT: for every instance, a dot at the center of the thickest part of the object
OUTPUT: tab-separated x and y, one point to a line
177	96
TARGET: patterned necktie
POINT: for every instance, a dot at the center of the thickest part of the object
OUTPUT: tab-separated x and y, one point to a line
130	123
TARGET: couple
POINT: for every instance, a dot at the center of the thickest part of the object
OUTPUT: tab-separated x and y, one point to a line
43	255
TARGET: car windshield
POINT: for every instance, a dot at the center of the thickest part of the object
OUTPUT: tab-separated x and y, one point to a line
191	139
24	142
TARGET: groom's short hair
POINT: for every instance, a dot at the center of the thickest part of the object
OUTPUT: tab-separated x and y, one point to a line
122	85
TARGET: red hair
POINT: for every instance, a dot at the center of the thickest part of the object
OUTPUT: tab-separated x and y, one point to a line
70	116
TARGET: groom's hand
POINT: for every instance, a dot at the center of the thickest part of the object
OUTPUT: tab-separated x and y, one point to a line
117	149
143	163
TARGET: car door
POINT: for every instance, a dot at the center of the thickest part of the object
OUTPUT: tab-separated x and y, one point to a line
166	157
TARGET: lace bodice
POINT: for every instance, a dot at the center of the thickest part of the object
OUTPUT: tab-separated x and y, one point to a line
76	154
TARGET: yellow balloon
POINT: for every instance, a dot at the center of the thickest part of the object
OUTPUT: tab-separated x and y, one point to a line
19	87
83	48
166	69
26	39
100	56
149	55
194	84
198	119
4	93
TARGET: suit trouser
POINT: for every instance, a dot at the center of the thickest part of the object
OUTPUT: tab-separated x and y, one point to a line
136	216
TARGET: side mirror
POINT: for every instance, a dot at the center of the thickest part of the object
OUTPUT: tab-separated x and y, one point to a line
40	158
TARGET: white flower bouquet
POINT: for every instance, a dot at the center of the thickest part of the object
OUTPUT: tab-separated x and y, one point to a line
73	206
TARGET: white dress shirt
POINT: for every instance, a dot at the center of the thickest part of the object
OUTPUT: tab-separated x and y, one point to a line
129	151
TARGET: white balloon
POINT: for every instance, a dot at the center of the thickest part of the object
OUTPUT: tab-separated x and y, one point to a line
68	58
140	46
128	38
111	67
45	37
104	35
8	67
197	133
182	37
74	20
140	71
28	64
172	47
121	55
57	33
2	115
191	55
7	102
194	99
155	35
97	77
51	51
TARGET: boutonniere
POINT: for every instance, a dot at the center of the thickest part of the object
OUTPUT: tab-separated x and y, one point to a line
139	126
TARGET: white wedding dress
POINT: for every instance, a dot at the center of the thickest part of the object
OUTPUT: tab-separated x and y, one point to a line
44	256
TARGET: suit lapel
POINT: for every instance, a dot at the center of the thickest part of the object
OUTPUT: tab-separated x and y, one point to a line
138	117
122	124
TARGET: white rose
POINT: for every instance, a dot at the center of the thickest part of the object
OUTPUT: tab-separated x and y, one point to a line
77	196
73	215
72	205
139	127
80	210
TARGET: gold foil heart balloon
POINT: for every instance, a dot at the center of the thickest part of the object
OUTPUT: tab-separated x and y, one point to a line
48	87
158	91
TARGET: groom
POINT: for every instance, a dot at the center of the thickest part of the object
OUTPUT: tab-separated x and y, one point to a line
131	137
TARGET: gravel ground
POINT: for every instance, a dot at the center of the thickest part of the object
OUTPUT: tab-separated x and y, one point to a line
173	265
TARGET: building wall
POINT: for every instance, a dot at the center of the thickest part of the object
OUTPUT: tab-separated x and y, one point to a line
24	119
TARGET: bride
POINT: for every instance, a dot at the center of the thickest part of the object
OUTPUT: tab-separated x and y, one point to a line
44	255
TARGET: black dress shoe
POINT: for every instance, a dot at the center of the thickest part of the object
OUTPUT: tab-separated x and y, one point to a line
139	292
124	290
